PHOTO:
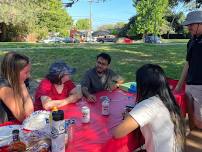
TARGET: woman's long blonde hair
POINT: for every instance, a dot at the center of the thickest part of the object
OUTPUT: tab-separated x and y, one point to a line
11	66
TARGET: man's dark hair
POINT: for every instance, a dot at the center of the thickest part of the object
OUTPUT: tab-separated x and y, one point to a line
105	56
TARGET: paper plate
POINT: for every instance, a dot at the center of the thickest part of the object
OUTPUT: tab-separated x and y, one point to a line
6	134
37	120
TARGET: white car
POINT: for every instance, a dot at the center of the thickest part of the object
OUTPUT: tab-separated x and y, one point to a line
53	40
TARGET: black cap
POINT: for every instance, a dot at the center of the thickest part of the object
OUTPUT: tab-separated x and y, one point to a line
58	115
15	131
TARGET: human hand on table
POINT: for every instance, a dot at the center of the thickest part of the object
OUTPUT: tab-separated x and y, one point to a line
91	98
113	87
125	114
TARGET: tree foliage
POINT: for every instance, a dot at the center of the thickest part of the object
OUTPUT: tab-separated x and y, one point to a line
150	15
176	2
117	25
37	16
54	17
124	30
83	24
175	21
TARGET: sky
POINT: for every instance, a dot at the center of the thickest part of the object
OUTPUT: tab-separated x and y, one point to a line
109	12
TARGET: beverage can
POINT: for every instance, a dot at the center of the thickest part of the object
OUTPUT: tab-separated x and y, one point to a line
105	107
103	98
85	114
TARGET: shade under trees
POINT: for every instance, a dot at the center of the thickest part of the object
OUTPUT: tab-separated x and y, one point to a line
22	17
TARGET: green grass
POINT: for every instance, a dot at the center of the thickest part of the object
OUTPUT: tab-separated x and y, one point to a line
174	40
126	59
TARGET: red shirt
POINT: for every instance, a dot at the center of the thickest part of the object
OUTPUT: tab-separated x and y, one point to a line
46	88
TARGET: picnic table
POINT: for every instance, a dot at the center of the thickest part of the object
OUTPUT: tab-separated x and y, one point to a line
96	136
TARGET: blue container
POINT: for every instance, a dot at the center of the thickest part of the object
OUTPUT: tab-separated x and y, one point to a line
132	88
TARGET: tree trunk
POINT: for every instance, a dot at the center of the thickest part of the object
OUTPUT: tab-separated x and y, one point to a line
3	35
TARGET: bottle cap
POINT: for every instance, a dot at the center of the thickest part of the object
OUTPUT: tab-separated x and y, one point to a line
58	115
72	121
15	131
84	108
54	108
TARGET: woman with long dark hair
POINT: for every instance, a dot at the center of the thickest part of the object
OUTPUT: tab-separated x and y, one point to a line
157	113
15	101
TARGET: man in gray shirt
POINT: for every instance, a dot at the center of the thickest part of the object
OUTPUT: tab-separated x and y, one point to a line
100	78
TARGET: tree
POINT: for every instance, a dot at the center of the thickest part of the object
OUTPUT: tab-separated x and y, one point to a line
83	24
124	31
173	3
150	15
54	17
17	17
110	27
21	17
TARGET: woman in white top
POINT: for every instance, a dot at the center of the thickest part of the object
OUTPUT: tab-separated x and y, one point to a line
157	113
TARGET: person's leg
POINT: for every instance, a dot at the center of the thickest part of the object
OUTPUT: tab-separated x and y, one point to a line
194	106
190	109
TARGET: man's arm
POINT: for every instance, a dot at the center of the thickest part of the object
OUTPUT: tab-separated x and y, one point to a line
88	95
117	80
128	125
182	77
85	85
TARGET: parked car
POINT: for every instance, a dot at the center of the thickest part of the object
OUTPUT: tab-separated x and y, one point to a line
152	39
70	40
106	39
53	40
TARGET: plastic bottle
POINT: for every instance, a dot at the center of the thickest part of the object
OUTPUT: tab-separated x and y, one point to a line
16	145
58	131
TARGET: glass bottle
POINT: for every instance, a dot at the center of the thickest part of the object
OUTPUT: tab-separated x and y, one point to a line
16	145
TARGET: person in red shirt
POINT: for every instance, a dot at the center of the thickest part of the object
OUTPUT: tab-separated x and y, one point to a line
57	88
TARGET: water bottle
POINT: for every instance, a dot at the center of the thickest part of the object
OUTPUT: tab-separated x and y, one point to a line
58	131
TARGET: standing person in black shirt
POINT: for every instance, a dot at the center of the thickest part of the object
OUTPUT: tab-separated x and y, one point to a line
192	71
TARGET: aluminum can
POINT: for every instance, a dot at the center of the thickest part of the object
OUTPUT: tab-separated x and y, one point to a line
85	114
105	107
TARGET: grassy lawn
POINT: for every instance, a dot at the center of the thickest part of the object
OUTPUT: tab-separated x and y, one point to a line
125	58
174	40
